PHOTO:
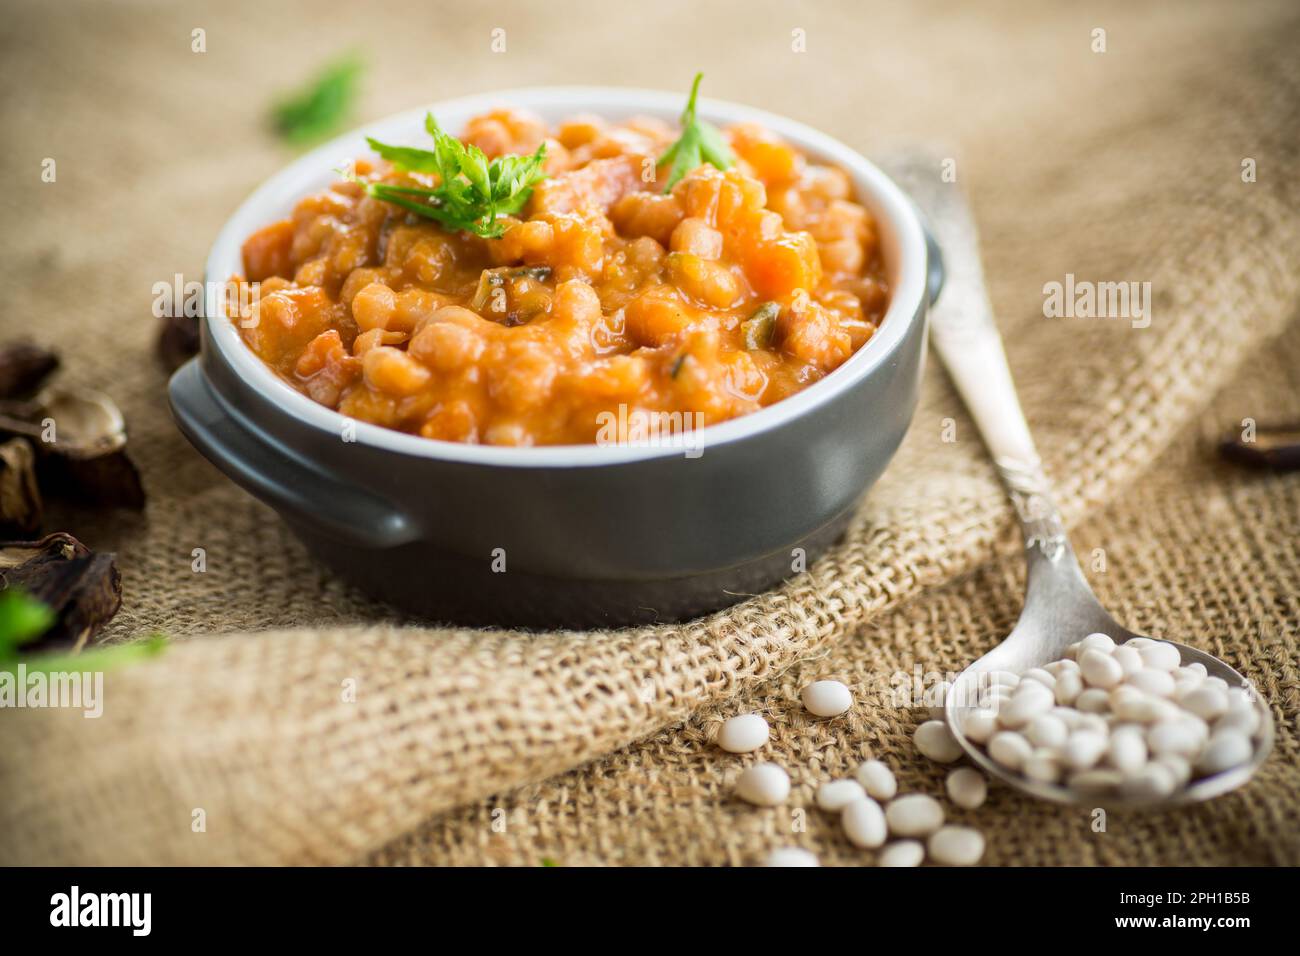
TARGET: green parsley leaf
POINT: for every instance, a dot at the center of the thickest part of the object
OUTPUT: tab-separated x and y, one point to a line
95	659
701	142
22	619
320	108
472	193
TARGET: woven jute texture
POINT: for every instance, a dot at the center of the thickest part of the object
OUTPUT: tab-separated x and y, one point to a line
1123	165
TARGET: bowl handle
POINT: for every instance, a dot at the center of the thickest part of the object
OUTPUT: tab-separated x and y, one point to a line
274	474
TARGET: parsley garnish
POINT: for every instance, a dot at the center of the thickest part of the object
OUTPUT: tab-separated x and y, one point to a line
471	194
701	142
23	619
318	109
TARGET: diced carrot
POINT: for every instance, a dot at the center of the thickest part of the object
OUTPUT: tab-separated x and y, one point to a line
776	267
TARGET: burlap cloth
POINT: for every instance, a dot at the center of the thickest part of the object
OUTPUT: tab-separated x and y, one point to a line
1115	166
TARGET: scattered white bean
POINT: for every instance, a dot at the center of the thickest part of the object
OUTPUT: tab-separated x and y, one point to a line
743	734
764	785
827	698
903	853
835	795
967	788
935	740
956	846
864	823
915	814
792	856
878	780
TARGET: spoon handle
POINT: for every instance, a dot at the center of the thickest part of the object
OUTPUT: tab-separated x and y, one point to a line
967	342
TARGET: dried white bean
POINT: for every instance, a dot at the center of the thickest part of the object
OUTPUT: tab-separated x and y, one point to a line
935	740
1069	685
979	725
1154	781
1009	749
792	856
827	698
1083	749
1047	730
1159	683
1037	675
915	814
1096	780
764	785
1129	660
1029	700
1225	750
1205	701
1161	656
1042	765
1097	641
878	780
1173	736
743	734
903	853
1100	669
835	795
1094	700
967	788
956	846
864	823
1127	750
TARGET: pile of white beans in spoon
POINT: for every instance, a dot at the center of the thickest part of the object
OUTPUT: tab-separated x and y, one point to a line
1126	720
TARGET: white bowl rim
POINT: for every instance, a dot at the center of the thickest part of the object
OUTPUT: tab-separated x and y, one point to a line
900	228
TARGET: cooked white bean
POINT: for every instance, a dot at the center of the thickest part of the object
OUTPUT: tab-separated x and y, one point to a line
1161	656
878	780
792	856
827	698
915	814
1009	749
935	740
764	785
864	823
956	846
903	853
835	795
1100	669
743	734
967	788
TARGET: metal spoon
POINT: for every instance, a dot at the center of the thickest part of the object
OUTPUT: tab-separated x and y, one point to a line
1060	607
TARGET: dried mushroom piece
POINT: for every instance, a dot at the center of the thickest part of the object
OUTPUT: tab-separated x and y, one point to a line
20	498
1275	447
82	439
82	589
178	341
23	367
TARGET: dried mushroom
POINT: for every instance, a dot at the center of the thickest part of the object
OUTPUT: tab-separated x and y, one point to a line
20	498
82	589
178	341
1275	447
82	439
23	367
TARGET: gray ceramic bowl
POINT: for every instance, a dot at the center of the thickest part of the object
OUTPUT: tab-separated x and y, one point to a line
588	535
